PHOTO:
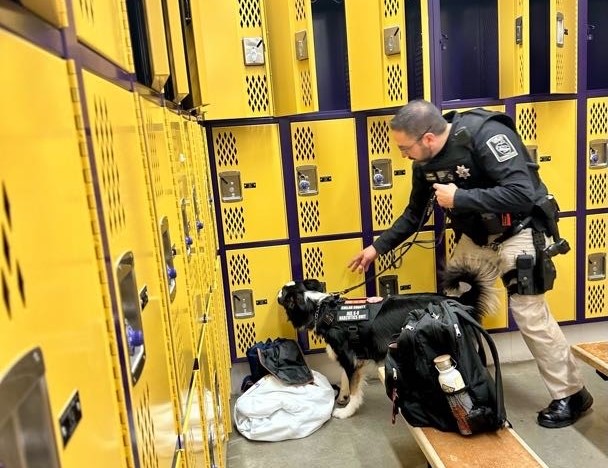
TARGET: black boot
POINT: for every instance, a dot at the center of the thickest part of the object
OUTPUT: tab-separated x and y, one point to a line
562	413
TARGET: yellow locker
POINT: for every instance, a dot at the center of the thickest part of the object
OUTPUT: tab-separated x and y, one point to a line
256	314
596	282
597	153
231	37
563	45
548	129
327	262
104	27
53	11
157	44
177	55
500	318
292	56
413	273
326	177
57	349
183	313
133	253
250	181
376	53
514	48
562	298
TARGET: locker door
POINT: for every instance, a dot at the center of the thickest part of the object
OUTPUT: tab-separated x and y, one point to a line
514	48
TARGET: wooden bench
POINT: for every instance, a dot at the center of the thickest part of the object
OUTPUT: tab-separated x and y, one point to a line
594	354
501	449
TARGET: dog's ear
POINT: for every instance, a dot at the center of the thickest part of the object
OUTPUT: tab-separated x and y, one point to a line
313	285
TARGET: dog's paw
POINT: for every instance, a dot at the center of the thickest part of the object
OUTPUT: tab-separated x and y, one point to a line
343	400
342	413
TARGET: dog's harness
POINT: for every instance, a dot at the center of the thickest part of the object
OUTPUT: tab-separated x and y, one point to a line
356	315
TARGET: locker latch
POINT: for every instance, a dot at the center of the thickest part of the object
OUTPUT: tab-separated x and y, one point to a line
389	285
169	252
69	419
230	186
307	180
392	40
253	51
382	174
186	223
596	266
519	30
561	30
598	154
242	303
533	152
301	45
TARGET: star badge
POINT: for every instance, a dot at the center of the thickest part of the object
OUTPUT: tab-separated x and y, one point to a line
463	172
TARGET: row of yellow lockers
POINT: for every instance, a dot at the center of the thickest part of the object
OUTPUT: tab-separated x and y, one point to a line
111	288
266	53
249	167
256	315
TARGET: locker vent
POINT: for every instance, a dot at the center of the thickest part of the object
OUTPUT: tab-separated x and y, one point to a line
394	82
391	8
257	92
597	189
154	159
309	219
379	137
176	135
383	210
522	72
315	341
249	13
304	144
234	221
526	124
226	149
300	10
596	300
238	269
246	336
183	376
110	178
384	261
145	427
450	243
559	69
87	11
597	234
306	88
598	124
10	270
313	263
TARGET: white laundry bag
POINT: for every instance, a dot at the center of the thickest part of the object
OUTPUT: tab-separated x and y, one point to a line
271	410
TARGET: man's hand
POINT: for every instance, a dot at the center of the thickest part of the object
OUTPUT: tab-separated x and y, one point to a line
445	194
363	259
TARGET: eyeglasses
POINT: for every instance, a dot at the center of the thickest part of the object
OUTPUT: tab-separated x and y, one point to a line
406	149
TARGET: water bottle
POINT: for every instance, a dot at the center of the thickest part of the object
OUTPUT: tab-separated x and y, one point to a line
452	384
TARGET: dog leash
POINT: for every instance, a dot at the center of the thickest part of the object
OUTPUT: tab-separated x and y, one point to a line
405	247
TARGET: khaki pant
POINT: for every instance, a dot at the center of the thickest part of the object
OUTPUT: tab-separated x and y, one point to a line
539	329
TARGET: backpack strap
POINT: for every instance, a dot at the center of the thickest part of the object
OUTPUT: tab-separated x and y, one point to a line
500	401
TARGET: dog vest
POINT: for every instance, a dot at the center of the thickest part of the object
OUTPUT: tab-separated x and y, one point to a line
356	315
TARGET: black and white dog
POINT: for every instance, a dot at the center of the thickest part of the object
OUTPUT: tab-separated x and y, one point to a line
359	331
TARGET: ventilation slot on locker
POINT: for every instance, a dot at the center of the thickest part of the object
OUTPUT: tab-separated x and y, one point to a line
169	251
133	328
230	186
598	157
382	176
27	438
596	267
307	180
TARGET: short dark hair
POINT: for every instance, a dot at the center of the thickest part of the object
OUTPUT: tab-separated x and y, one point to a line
417	118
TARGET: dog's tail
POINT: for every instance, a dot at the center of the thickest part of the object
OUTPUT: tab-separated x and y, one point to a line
473	280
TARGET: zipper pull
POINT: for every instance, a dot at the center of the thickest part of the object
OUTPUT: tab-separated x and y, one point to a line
458	334
394	396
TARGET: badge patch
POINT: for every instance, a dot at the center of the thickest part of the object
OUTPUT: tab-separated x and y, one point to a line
501	147
463	172
430	176
445	176
352	313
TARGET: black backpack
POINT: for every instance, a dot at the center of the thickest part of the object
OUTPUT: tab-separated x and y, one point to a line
411	378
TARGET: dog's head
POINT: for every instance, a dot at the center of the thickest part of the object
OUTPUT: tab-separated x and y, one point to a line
300	300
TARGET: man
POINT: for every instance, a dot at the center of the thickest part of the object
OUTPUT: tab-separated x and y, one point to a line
476	166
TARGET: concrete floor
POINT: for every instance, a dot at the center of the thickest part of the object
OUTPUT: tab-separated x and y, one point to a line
369	440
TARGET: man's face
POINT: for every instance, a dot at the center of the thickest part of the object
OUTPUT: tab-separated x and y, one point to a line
415	148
